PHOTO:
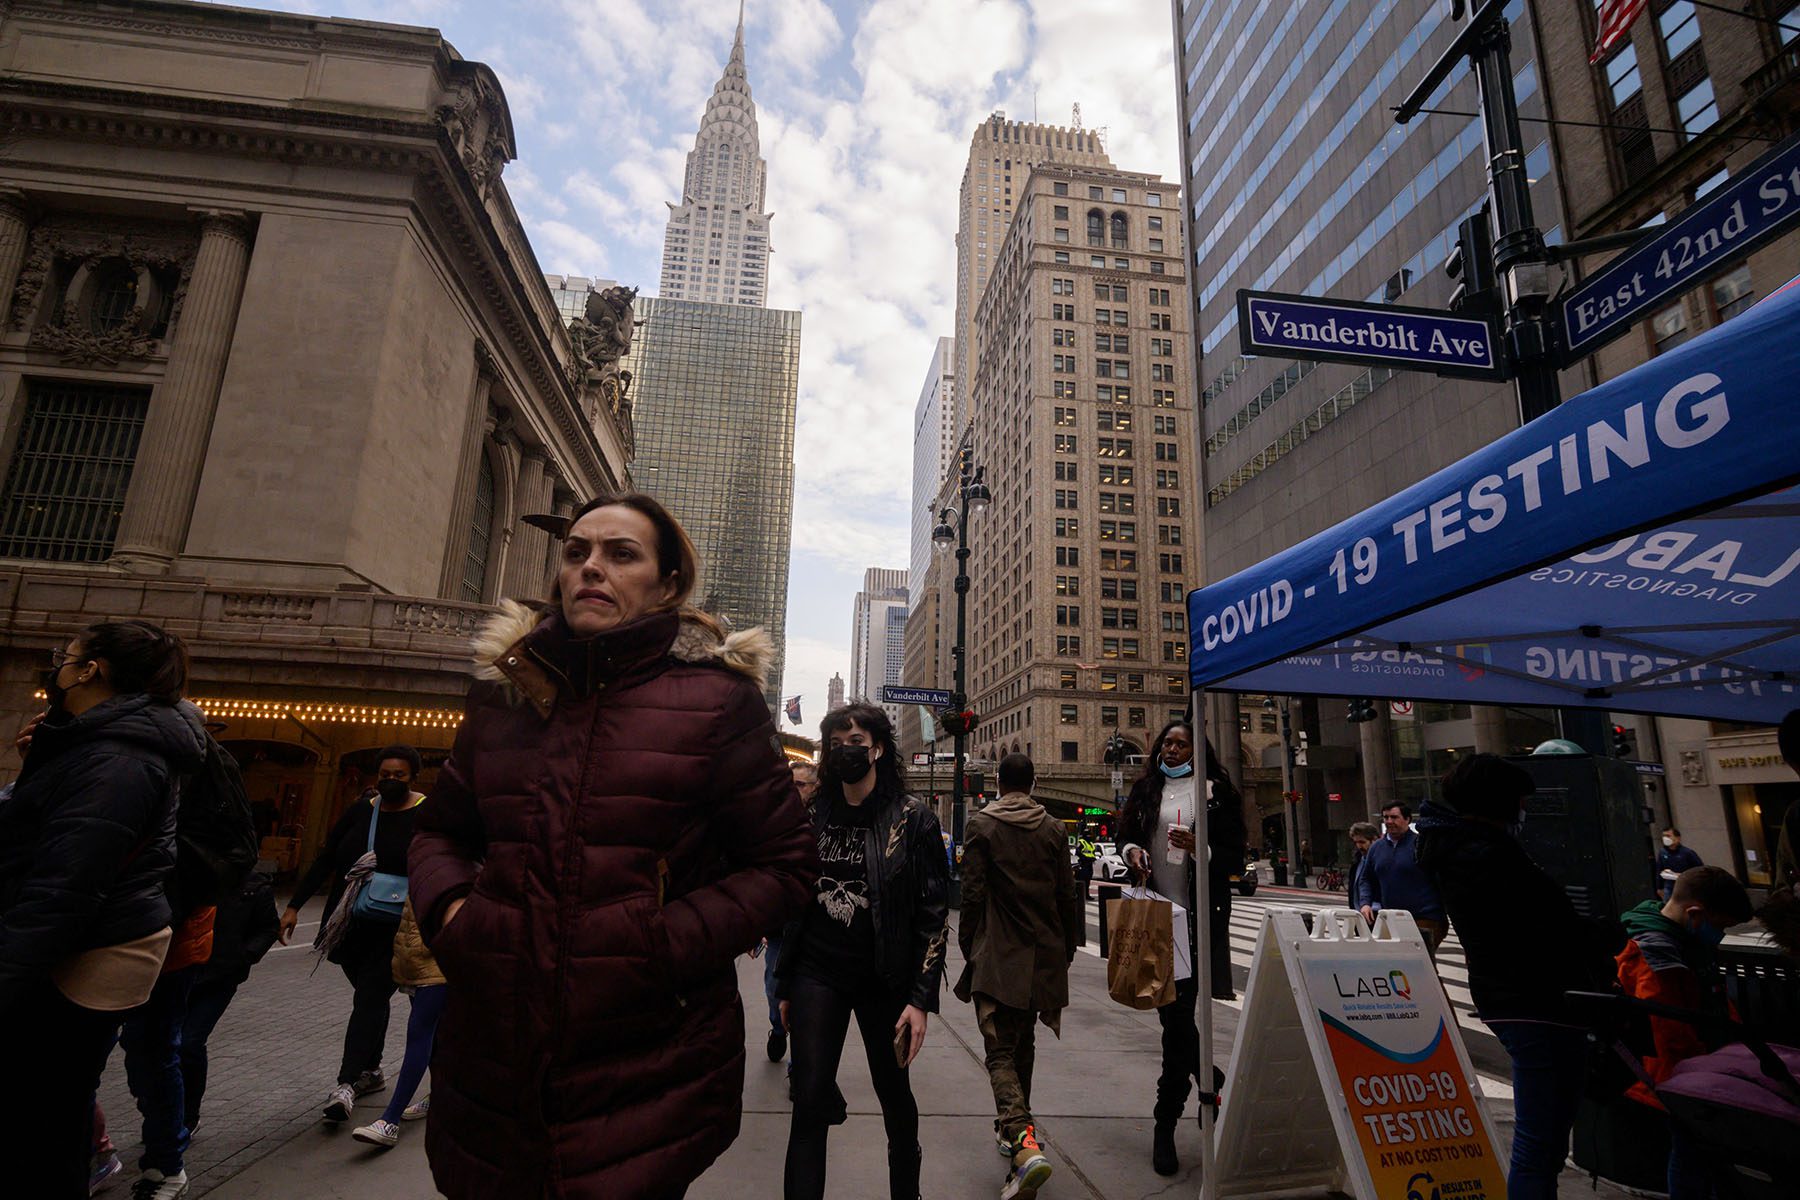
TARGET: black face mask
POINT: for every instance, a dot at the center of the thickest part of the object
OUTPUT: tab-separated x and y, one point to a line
849	763
393	791
54	692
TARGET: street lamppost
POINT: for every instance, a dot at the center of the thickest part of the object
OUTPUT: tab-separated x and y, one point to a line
953	530
1290	816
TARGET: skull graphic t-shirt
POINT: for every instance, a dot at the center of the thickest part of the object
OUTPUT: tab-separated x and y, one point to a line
840	926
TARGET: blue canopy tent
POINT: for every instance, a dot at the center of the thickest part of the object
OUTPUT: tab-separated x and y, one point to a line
1635	549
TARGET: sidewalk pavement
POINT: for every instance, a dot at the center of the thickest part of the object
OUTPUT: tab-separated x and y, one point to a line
275	1052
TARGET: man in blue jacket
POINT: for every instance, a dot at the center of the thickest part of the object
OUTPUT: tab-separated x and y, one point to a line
1391	878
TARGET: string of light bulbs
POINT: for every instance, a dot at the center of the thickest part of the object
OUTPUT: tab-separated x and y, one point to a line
324	712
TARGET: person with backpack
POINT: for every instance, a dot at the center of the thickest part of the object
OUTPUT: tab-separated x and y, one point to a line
364	857
87	851
244	929
1526	946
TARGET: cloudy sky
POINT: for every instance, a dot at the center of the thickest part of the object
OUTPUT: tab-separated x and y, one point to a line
866	108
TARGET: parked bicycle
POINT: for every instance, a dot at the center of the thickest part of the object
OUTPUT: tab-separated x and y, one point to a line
1328	879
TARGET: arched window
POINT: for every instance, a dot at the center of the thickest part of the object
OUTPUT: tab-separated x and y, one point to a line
480	534
114	292
1096	223
1118	231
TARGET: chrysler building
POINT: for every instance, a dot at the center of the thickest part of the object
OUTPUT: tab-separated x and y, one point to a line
717	246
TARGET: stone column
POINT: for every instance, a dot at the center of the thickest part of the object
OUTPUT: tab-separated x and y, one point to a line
1490	728
160	500
1377	738
15	234
1227	735
525	578
468	464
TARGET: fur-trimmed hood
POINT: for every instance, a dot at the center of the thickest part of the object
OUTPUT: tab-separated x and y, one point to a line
499	642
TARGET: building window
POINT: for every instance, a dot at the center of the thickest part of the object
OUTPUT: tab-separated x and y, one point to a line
1109	715
1066	677
1117	224
66	486
1680	27
1068	714
480	533
1623	79
1096	227
1071	752
1068	644
1168	506
1068	556
1068	614
1134	682
1697	108
1059	189
1062	258
1066	472
1733	294
1062	213
1068	585
1109	681
1669	328
1169	564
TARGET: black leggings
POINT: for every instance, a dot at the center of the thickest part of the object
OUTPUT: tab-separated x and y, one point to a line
367	957
819	1021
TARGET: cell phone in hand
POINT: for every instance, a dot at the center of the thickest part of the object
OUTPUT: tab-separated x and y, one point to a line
902	1043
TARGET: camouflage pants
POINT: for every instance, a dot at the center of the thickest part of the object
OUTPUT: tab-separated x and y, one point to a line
1010	1039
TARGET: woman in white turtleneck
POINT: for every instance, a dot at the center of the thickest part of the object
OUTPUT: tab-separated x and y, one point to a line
1159	817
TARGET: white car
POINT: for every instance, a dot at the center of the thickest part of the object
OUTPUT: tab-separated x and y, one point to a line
1109	867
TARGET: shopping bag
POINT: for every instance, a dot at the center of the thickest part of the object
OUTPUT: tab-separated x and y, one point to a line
1140	955
1178	924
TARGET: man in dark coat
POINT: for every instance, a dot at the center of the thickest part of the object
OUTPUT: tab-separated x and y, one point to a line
1022	919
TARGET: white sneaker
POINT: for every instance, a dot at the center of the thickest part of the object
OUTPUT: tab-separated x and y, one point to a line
418	1110
154	1185
339	1101
378	1133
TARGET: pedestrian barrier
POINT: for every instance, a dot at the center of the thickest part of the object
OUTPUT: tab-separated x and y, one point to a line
1388	1105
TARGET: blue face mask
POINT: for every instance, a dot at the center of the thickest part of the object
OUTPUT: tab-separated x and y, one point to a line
1186	768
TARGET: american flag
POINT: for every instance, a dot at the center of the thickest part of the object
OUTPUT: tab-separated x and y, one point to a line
1616	17
793	709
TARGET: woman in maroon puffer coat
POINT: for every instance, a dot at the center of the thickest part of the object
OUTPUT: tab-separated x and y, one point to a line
615	824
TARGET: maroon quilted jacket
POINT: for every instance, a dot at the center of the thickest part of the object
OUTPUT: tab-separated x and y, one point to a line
623	824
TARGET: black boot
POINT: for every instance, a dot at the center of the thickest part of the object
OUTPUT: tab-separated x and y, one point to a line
903	1171
1162	1149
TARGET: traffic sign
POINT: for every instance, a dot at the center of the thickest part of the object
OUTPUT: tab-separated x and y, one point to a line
895	693
1400	708
921	759
1754	205
1415	339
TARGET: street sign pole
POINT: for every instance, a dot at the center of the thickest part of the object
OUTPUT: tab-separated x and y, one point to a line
1521	261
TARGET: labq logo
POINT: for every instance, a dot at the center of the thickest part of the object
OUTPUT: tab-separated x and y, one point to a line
1422	1187
1470	651
1394	983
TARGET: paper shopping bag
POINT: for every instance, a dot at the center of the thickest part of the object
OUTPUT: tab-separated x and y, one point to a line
1140	956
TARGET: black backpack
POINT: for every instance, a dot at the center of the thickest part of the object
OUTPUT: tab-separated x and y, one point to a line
215	834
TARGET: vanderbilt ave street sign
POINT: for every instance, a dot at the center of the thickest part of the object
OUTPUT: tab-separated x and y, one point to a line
1415	339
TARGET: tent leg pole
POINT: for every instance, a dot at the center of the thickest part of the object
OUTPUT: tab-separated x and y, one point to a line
1200	922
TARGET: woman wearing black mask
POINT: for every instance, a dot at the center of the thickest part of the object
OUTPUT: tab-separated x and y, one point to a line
361	914
870	946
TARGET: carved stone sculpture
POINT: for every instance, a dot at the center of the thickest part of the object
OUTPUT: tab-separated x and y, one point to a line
600	339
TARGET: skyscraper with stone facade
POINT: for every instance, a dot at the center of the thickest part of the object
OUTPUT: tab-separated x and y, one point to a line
1085	426
834	692
717	245
1001	155
877	636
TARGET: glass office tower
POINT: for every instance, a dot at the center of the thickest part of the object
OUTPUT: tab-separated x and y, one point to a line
713	392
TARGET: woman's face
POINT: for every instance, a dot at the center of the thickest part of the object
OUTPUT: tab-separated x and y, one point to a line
854	735
1178	746
609	572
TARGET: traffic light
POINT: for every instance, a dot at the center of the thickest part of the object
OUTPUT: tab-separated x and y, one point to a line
1361	711
1471	267
1115	750
974	783
1624	743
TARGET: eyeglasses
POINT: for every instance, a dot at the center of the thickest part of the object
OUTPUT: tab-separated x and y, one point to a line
62	658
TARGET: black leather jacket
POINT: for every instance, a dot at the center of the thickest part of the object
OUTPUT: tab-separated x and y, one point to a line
87	836
908	900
